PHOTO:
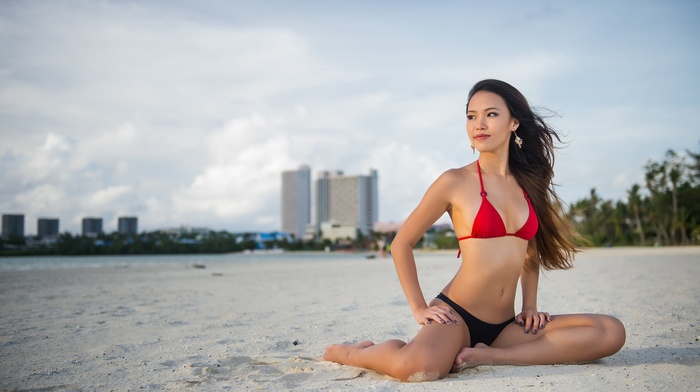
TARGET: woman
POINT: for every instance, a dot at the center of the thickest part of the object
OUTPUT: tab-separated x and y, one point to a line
505	212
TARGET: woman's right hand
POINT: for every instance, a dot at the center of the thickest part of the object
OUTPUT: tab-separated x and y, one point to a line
438	313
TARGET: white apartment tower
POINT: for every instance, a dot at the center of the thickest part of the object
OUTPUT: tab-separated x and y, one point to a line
296	201
347	200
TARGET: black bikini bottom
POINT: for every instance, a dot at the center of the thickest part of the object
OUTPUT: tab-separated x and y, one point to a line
479	331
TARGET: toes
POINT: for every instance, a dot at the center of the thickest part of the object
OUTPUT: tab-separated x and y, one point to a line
457	367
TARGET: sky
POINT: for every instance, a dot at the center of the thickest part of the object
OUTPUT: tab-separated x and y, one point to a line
186	112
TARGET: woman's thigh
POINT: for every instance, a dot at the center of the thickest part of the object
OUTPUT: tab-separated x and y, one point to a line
514	334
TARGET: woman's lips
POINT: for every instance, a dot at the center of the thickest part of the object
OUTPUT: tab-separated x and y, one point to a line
481	136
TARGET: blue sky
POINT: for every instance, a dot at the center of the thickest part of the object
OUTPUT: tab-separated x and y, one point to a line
185	113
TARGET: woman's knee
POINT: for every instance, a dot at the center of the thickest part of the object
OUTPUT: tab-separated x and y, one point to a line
614	335
610	335
419	368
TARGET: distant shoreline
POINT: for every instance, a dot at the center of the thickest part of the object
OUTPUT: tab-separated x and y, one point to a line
319	252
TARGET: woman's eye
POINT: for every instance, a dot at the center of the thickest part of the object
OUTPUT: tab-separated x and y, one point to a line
470	117
492	114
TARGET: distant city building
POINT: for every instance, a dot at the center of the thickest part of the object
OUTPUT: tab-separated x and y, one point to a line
127	225
47	227
296	201
347	200
310	233
334	231
13	225
92	227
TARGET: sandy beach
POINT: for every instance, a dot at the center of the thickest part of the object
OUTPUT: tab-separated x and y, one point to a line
263	324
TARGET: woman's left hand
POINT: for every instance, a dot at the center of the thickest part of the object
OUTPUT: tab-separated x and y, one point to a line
533	320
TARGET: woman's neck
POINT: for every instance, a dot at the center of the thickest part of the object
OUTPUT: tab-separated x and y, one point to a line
494	164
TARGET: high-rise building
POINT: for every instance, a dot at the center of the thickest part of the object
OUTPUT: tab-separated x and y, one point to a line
12	225
296	201
47	227
347	200
92	227
128	225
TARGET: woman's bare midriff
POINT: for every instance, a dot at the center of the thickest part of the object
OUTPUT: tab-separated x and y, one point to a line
486	282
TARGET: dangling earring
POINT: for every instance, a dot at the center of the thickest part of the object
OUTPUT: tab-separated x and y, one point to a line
518	140
473	150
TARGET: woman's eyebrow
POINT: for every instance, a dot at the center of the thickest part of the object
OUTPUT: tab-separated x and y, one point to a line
491	108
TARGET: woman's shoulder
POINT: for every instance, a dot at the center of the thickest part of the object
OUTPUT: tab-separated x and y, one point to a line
460	173
458	176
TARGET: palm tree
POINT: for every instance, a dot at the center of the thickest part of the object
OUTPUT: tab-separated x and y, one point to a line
656	178
634	200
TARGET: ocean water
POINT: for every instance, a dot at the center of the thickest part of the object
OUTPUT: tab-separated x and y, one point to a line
31	263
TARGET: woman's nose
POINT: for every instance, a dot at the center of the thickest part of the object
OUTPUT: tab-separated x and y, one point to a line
480	124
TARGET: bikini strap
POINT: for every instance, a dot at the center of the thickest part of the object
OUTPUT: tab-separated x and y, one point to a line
481	181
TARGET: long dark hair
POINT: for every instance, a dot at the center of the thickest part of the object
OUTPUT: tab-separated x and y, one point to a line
533	168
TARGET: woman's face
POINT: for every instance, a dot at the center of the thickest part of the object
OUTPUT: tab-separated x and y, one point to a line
489	122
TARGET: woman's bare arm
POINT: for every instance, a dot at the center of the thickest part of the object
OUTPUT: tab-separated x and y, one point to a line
530	317
434	204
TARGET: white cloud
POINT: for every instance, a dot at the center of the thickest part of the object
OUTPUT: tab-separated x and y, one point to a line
106	147
106	198
42	198
246	158
404	177
47	161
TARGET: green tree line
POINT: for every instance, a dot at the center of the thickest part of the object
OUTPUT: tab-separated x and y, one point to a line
664	210
155	242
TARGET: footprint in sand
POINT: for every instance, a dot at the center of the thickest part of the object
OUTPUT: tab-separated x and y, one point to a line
290	373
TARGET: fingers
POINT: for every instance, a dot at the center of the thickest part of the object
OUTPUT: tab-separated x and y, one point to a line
439	314
544	318
437	317
534	321
520	320
444	315
538	322
528	324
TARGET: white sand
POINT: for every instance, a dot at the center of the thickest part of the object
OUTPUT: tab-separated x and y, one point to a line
234	326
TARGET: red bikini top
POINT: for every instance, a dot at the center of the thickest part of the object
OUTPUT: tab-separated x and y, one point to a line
488	222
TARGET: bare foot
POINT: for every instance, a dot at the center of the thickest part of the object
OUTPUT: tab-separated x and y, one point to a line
471	357
342	353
